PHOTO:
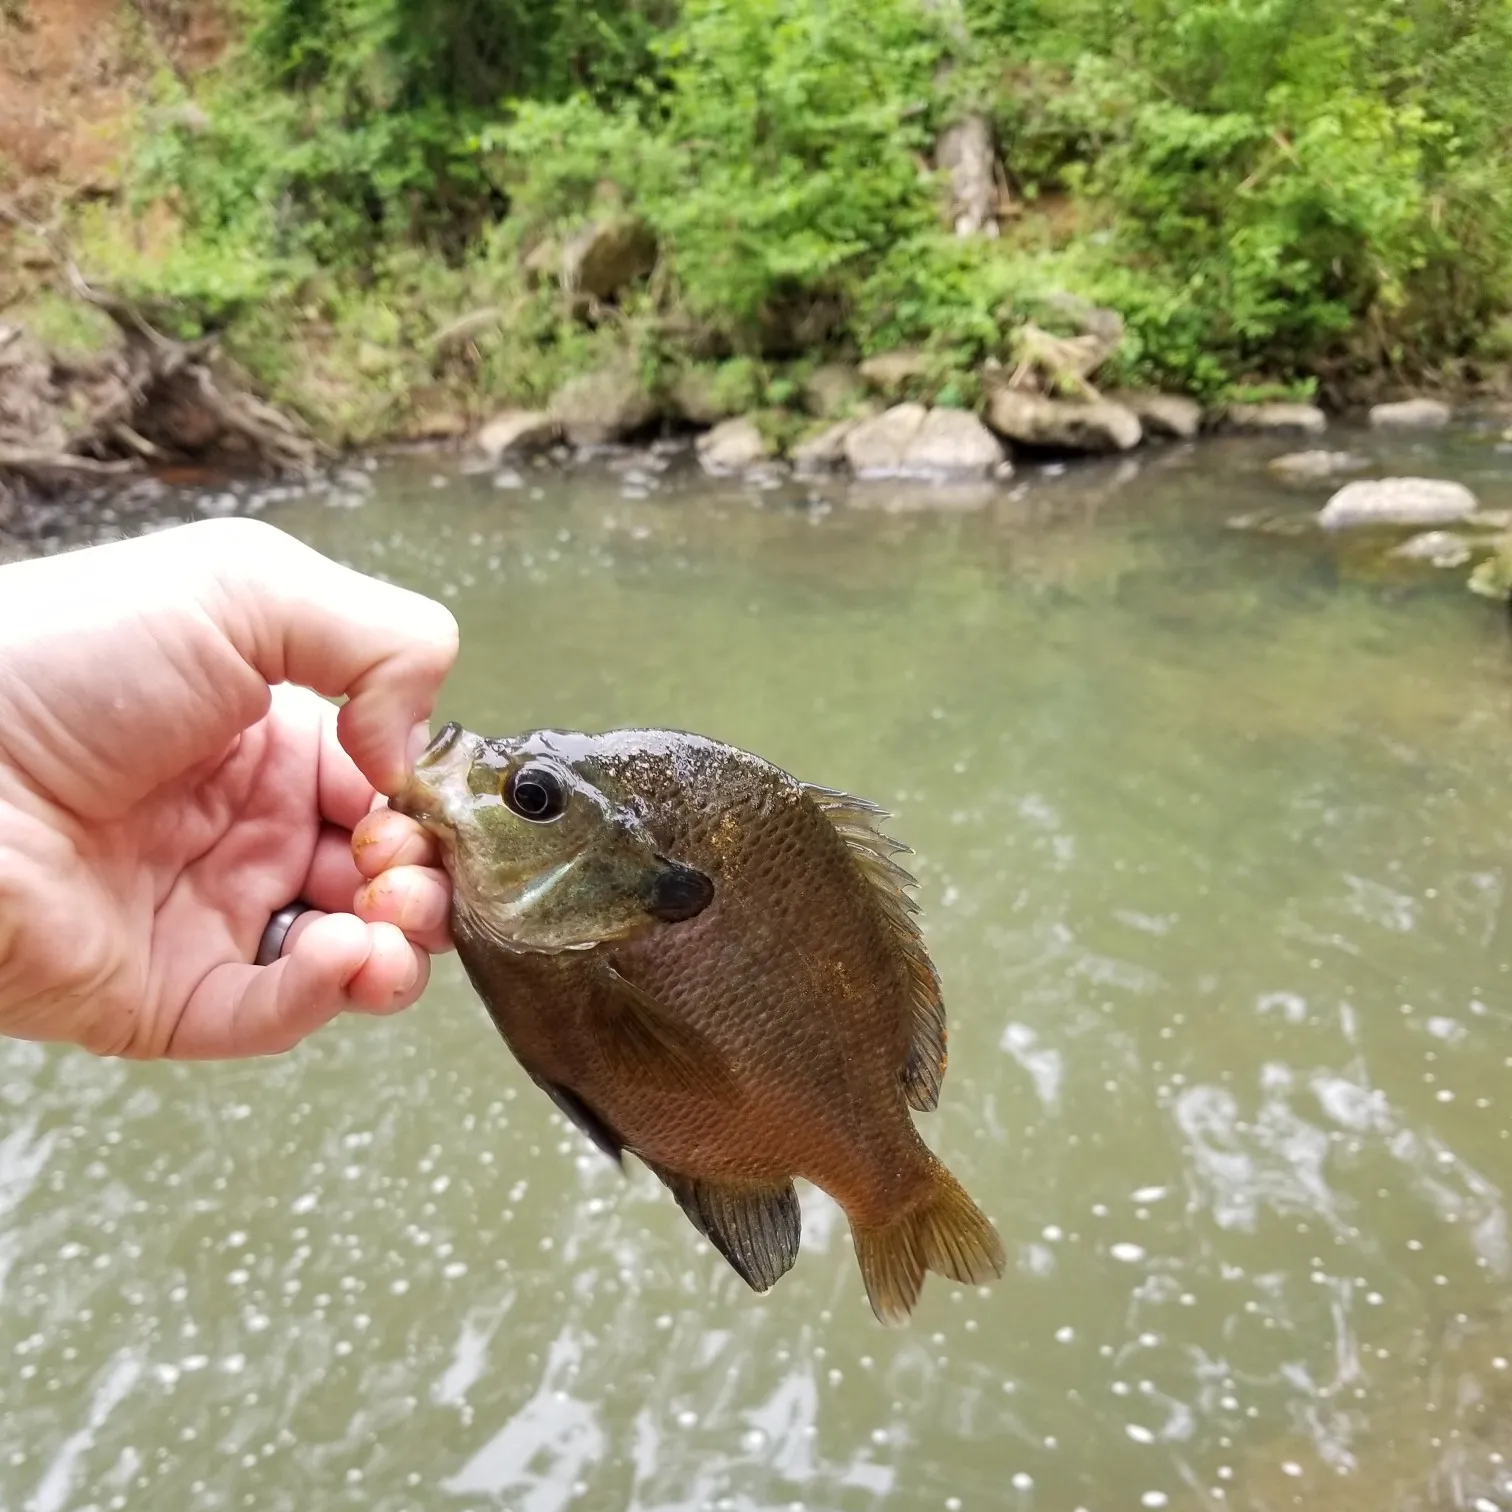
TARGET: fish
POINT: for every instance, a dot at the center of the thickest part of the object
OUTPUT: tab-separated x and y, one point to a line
716	968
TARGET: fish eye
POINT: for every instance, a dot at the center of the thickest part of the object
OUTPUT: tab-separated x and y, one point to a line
535	793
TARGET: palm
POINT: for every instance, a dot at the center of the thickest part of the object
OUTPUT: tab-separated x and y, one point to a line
167	782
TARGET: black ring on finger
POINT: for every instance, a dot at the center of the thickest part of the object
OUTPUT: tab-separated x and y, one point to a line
277	932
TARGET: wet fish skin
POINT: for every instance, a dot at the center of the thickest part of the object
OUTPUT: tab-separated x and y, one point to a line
782	1029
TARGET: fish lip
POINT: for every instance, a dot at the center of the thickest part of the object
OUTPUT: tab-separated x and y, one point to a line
449	734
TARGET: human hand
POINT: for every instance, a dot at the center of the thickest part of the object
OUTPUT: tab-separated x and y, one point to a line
168	781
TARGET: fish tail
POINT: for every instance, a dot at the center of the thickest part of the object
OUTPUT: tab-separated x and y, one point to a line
946	1233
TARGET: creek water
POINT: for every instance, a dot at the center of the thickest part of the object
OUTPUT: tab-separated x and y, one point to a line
1214	838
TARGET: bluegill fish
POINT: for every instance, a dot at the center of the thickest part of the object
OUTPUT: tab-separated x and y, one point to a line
714	966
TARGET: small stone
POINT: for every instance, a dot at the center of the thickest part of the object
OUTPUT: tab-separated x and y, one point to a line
824	452
517	433
732	446
1398	501
1270	418
1411	414
1096	425
890	373
1438	548
1315	464
1162	414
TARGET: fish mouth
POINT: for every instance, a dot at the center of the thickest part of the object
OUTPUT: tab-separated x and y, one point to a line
424	796
450	734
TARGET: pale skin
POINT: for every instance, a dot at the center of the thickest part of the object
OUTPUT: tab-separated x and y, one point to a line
170	777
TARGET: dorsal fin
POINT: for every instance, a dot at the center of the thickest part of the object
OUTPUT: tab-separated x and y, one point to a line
856	821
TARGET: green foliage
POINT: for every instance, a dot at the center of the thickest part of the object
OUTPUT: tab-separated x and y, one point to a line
1271	192
777	157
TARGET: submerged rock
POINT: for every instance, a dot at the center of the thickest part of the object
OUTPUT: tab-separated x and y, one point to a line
1162	414
1315	464
1096	425
604	406
1438	548
517	433
891	372
1271	418
1398	501
1411	414
824	452
732	446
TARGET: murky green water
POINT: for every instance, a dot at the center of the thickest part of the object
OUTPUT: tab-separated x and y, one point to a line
1214	843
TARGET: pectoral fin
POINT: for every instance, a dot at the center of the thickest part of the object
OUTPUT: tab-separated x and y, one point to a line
756	1228
641	1041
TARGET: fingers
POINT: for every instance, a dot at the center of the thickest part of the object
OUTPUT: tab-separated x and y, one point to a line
414	899
406	888
335	963
384	838
295	616
333	878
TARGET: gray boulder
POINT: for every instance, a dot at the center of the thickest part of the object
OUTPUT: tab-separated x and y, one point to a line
1162	414
891	372
953	444
1411	414
732	447
517	433
1096	425
604	406
824	452
601	259
695	399
878	448
1398	501
833	389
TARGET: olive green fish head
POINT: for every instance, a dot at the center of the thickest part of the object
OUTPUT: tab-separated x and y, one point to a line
541	858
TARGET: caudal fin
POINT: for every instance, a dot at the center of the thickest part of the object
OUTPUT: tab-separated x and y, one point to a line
946	1233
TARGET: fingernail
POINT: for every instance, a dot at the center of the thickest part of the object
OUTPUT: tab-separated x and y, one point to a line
420	737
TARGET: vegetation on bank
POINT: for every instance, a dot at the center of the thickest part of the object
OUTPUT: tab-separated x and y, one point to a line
367	198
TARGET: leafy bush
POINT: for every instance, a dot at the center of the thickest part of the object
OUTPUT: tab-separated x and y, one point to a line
1268	190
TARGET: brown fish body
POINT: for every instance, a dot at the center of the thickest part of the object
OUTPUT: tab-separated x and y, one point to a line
798	1012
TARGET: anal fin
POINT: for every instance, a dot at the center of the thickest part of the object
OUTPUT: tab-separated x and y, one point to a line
757	1227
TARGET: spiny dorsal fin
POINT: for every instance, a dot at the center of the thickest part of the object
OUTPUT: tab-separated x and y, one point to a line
756	1228
856	821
